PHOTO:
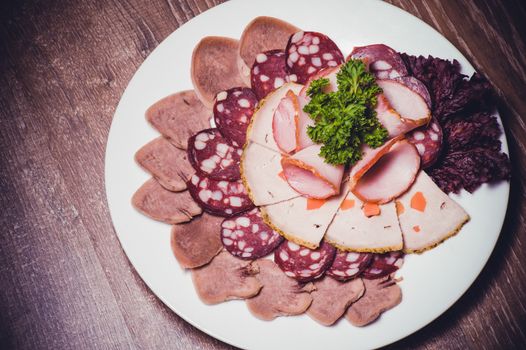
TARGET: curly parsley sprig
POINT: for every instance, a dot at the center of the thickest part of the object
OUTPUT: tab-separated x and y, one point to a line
345	119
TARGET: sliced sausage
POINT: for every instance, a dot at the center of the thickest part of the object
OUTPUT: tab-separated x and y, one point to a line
383	265
348	265
383	61
428	142
417	86
268	72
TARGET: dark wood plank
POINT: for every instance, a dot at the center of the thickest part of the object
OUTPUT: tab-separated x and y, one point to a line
66	282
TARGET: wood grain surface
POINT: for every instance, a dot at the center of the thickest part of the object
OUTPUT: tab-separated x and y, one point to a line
65	281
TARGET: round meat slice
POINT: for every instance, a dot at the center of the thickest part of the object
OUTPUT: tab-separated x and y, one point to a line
309	52
417	86
347	265
428	142
212	155
383	265
247	236
268	72
233	110
221	198
383	61
304	264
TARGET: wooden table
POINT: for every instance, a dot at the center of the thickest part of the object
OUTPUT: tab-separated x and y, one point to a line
65	282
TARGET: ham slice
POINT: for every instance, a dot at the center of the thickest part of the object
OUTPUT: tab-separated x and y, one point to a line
158	203
225	278
260	172
380	295
331	299
280	296
352	230
196	243
167	164
260	129
391	176
400	109
302	220
427	215
307	173
285	123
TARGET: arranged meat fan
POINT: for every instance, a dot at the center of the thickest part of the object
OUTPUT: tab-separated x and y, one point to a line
258	214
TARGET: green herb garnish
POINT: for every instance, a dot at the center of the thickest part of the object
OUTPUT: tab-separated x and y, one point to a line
345	119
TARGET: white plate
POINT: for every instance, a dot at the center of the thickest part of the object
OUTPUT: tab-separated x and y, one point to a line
432	282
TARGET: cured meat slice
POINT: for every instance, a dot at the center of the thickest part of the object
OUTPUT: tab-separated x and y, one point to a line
233	110
285	124
260	129
247	236
280	295
427	215
391	176
268	72
417	86
383	61
223	198
212	155
260	35
214	67
308	174
158	203
428	142
348	265
179	116
196	243
331	299
383	265
167	164
260	171
304	264
400	109
302	220
352	229
225	278
308	53
380	295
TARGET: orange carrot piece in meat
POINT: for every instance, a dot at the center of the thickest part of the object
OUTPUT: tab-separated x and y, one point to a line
347	204
418	202
399	208
371	209
416	228
313	203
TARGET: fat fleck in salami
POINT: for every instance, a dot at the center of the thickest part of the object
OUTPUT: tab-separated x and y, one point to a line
247	236
428	142
309	52
222	198
383	265
417	86
233	110
269	72
213	156
383	61
347	265
304	264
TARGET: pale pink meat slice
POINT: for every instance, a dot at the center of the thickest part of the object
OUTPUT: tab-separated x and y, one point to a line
285	123
280	295
225	278
331	299
307	173
391	176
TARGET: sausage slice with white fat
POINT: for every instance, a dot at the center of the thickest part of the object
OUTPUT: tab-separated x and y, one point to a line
179	116
225	278
427	215
331	299
196	243
158	203
280	295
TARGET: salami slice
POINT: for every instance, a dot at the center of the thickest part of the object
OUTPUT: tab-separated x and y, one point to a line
383	265
347	265
417	86
233	110
213	156
309	52
268	72
247	236
428	142
304	264
383	61
222	198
